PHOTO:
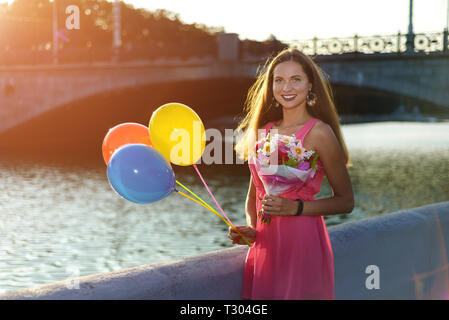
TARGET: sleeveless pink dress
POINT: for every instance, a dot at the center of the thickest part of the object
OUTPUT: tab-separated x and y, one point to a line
292	256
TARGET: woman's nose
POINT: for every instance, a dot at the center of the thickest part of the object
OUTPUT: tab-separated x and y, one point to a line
287	86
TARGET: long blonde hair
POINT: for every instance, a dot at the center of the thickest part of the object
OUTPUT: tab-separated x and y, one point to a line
259	104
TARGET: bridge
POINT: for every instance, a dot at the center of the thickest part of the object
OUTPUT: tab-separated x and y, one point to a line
379	63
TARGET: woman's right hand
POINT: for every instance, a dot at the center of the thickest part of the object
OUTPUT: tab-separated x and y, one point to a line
248	232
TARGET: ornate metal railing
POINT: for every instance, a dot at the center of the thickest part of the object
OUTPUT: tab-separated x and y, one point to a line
398	43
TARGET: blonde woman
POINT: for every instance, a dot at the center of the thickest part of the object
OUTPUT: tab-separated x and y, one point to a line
292	256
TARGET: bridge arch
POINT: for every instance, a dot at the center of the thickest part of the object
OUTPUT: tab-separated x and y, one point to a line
77	128
423	77
30	91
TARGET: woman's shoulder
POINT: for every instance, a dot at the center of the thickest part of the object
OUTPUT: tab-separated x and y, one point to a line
320	134
321	128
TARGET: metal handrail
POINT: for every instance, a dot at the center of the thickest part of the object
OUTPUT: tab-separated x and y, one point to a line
396	43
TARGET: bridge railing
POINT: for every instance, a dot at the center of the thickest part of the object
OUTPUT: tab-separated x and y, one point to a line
396	43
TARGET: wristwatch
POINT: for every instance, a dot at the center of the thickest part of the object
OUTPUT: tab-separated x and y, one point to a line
300	207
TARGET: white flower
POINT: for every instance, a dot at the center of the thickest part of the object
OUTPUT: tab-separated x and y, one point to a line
287	140
265	162
297	151
268	148
267	137
308	154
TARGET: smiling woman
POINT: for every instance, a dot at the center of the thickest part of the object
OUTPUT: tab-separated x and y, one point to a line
292	255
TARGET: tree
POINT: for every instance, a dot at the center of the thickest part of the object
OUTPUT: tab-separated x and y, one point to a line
27	33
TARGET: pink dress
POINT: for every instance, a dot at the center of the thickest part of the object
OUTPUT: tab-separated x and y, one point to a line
292	256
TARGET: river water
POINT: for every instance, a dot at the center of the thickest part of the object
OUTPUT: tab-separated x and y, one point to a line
57	222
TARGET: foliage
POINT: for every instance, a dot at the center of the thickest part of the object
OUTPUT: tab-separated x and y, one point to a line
26	27
27	32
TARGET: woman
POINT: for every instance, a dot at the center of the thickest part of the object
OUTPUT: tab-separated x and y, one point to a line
291	257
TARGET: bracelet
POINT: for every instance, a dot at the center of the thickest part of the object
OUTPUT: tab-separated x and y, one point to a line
300	207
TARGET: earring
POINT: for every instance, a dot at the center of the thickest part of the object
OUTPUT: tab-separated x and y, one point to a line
276	104
311	98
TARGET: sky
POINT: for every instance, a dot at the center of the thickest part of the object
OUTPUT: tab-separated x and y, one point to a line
304	19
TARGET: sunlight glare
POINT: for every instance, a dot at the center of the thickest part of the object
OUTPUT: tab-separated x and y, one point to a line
306	19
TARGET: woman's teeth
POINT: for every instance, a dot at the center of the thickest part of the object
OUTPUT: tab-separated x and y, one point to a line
289	97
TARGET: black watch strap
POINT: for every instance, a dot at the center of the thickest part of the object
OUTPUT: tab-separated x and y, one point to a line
300	207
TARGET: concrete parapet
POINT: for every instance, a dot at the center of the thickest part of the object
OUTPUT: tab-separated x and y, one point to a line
409	248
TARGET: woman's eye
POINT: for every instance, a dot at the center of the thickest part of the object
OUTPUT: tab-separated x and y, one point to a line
277	80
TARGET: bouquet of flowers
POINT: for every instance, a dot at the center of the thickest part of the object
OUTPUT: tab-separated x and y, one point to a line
283	164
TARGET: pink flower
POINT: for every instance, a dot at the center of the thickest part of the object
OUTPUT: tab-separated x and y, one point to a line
283	147
304	165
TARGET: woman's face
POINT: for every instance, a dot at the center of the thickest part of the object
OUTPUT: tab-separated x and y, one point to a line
290	84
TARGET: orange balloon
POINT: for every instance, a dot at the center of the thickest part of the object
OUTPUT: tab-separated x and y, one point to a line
122	134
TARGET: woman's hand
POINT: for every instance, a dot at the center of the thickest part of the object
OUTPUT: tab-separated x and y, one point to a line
248	232
277	206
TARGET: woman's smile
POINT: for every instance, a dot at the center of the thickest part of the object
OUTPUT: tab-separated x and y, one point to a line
289	97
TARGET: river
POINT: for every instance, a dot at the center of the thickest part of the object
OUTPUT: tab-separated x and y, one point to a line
59	221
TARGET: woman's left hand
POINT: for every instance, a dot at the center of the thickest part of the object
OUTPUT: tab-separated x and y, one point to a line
277	206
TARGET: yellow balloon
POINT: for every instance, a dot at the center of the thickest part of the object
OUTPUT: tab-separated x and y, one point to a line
177	132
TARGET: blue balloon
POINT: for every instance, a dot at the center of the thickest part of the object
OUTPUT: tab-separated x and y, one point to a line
140	174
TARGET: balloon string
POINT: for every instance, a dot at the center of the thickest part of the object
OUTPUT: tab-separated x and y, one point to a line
216	213
192	193
204	182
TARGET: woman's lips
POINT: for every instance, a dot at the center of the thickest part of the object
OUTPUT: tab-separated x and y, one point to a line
288	97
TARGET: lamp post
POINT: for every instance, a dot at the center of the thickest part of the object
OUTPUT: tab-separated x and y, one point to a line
446	30
410	35
447	16
55	33
117	41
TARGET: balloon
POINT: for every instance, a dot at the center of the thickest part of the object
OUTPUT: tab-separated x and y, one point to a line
178	133
125	133
140	174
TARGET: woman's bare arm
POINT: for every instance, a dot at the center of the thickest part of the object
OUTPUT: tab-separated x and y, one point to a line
249	231
250	205
332	157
